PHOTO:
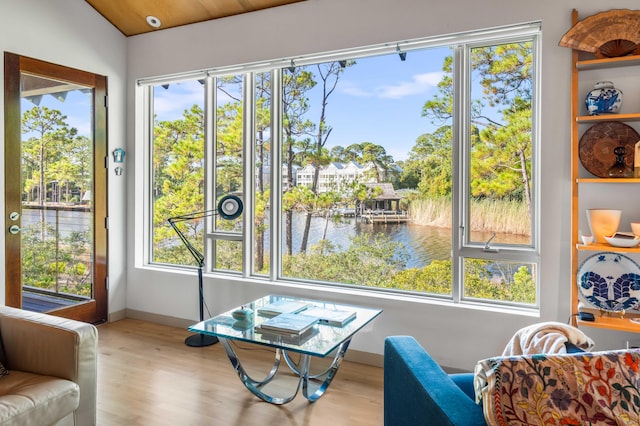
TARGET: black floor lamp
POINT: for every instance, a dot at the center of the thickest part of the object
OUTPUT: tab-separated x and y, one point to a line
229	207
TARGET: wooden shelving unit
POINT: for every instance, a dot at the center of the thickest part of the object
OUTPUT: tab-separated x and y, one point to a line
593	64
612	321
606	247
617	117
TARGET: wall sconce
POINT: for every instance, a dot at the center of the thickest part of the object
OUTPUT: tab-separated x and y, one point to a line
118	155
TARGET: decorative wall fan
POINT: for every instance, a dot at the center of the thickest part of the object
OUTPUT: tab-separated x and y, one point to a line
606	34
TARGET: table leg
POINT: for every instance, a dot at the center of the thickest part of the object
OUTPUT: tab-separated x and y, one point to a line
255	385
311	392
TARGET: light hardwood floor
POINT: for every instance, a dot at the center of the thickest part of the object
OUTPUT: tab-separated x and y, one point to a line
148	376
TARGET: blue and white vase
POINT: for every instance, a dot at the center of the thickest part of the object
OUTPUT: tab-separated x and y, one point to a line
604	99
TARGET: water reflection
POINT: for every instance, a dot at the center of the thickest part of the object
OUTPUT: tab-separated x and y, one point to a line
423	244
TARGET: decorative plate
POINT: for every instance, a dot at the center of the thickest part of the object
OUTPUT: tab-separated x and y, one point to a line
610	281
598	142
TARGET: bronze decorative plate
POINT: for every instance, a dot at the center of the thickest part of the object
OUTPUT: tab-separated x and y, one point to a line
598	142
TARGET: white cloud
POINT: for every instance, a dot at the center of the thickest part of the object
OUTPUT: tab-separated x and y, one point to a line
419	83
350	88
170	104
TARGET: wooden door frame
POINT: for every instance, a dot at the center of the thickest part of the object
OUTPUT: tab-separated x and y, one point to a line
96	310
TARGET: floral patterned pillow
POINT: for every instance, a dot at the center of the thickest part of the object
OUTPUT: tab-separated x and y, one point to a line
562	389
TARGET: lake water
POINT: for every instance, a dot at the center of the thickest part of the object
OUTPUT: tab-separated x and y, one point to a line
422	243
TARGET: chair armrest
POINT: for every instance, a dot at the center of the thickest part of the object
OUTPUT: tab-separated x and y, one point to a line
53	346
418	391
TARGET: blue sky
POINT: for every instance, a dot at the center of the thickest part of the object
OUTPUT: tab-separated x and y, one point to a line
377	100
380	100
76	106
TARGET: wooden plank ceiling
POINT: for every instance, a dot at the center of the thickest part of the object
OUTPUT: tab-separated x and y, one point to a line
130	16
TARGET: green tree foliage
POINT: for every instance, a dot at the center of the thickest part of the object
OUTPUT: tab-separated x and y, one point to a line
52	139
369	260
500	171
500	149
435	278
229	127
56	164
263	161
505	281
329	75
295	104
178	187
429	165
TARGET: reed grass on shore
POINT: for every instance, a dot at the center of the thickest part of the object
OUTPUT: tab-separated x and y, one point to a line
508	217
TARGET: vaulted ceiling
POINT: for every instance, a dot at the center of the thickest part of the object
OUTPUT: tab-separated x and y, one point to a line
133	17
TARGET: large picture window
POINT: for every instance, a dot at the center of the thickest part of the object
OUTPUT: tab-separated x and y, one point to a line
408	167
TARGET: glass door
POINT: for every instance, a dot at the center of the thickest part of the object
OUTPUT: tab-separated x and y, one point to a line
55	181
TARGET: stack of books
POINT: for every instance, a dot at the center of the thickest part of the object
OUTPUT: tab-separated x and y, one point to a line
292	339
292	321
288	324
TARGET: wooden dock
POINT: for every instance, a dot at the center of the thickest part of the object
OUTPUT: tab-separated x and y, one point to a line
385	217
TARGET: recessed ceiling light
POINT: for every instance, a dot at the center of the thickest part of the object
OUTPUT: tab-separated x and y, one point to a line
153	21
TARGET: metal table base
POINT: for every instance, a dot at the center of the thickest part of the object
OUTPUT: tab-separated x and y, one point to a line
309	390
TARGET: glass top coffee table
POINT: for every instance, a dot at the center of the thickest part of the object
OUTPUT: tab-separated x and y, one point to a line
321	340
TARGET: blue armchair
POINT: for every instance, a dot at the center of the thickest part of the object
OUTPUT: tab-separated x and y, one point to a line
417	391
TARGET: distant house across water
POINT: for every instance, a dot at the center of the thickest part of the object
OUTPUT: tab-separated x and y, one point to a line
336	176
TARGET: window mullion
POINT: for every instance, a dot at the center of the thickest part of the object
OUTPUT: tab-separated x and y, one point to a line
209	171
148	137
275	213
249	175
468	135
459	173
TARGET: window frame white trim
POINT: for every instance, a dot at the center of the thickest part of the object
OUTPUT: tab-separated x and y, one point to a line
531	31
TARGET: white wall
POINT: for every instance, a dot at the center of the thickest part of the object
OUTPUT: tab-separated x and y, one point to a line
71	33
457	336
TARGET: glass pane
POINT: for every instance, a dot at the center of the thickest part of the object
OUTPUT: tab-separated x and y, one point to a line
228	143
367	171
263	173
177	169
500	280
229	170
228	255
57	179
500	184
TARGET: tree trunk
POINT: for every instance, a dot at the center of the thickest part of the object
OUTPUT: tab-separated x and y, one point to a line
526	183
307	223
259	243
305	235
289	236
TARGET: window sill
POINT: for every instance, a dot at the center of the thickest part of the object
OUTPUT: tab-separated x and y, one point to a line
334	292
